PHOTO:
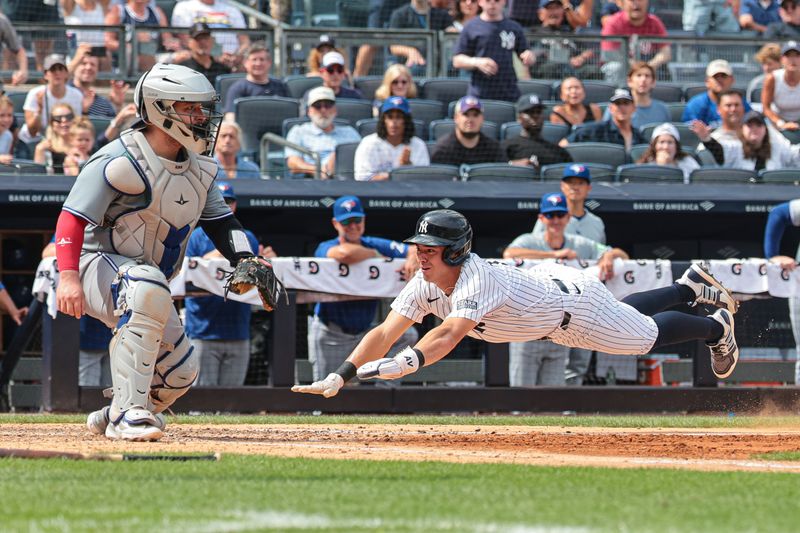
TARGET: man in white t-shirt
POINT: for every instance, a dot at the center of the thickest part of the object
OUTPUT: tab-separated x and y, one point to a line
497	302
217	14
42	99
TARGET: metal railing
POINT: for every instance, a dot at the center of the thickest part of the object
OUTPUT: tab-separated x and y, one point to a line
264	151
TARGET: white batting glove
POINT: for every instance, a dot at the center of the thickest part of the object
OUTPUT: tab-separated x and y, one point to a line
404	363
328	387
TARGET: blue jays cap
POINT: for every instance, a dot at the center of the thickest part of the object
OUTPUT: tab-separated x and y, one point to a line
347	207
553	202
227	190
577	171
469	102
396	102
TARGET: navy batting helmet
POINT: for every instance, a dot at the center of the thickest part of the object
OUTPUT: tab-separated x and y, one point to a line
448	228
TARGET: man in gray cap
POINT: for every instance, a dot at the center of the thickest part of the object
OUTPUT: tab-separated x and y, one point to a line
529	148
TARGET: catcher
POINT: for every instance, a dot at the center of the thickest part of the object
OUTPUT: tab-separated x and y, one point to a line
122	234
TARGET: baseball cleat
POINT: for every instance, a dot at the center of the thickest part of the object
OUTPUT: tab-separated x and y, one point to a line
725	351
135	425
97	421
707	289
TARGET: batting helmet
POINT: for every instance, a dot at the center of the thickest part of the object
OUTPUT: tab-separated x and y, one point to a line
448	228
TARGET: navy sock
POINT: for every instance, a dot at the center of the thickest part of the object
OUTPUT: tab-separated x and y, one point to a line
675	327
654	301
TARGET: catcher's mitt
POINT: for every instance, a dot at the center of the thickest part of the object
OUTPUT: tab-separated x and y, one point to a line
256	272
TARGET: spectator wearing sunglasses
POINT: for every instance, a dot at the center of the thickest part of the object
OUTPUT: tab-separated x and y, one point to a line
538	363
41	101
57	142
320	135
396	82
336	328
333	73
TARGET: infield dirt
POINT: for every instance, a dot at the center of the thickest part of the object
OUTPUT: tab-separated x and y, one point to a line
706	449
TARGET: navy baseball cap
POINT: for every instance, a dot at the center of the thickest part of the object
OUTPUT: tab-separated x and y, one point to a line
545	3
347	207
396	102
577	171
621	94
469	102
227	190
553	202
527	102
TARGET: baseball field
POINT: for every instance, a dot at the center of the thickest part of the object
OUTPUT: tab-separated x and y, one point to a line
415	473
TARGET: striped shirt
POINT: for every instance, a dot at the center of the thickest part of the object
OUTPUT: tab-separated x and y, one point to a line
509	304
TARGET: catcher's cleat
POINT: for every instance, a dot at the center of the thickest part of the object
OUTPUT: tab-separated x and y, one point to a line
707	289
97	421
725	351
135	425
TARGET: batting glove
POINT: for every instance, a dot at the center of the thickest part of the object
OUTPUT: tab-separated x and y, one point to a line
328	387
404	363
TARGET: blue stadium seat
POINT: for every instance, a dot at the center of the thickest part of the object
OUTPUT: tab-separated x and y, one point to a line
224	82
258	115
646	173
18	99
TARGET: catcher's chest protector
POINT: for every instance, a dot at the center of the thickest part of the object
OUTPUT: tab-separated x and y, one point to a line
174	195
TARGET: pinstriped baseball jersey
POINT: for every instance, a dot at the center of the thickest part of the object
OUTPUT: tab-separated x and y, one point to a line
514	305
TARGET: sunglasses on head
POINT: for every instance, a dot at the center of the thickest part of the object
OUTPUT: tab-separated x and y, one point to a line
555	215
353	220
322	105
335	69
62	118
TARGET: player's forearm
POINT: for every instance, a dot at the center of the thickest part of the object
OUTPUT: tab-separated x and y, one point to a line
349	253
69	240
527	253
374	345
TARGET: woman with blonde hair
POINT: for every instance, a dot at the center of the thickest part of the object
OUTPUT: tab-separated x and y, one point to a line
53	149
396	82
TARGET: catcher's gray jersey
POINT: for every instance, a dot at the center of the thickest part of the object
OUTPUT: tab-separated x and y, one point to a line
589	225
142	206
550	300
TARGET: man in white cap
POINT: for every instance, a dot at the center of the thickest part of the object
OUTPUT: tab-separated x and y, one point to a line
703	107
41	100
333	73
320	135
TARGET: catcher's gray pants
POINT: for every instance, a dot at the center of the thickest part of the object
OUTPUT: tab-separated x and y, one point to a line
794	317
329	346
536	363
94	368
222	363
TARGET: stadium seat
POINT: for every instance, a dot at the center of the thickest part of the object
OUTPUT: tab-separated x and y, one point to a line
599	171
298	85
676	111
551	132
353	110
344	165
352	13
429	145
443	89
26	166
368	85
596	91
289	123
787	176
440	128
637	151
667	92
691	90
542	89
689	139
792	135
258	115
499	172
594	152
18	99
426	173
755	96
645	173
100	124
729	175
368	126
426	110
224	82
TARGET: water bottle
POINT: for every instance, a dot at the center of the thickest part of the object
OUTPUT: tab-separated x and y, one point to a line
611	376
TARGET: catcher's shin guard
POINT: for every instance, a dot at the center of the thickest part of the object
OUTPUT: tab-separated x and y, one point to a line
176	371
144	309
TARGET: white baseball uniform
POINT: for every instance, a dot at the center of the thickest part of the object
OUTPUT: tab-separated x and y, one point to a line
548	301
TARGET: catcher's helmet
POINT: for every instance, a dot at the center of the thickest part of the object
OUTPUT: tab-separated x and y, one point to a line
448	228
161	87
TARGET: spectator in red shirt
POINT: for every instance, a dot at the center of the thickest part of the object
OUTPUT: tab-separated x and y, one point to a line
634	19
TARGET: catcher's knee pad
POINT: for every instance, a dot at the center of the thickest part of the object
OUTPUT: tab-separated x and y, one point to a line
176	371
144	308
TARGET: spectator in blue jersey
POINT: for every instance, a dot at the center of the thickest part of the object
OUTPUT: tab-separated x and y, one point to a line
219	329
94	365
336	328
486	47
257	64
758	14
227	153
703	106
8	306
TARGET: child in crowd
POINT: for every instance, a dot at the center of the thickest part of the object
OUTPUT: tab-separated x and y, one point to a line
6	137
82	136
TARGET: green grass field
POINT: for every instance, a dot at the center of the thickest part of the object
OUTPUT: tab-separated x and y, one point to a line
256	493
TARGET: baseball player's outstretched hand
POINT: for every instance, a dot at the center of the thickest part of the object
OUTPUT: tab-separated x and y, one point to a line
404	363
328	387
69	294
